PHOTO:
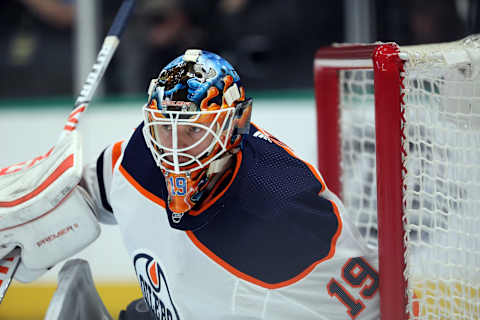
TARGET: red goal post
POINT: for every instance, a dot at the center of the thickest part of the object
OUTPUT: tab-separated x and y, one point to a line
399	133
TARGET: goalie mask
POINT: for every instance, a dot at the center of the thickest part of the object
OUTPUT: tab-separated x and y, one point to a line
195	113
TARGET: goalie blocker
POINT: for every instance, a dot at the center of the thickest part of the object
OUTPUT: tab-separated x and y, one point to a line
44	211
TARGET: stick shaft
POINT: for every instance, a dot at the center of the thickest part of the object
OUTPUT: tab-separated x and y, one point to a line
109	46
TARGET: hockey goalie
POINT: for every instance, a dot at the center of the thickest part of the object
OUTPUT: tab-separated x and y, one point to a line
221	220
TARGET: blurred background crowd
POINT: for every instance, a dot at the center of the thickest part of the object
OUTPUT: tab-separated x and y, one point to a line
271	43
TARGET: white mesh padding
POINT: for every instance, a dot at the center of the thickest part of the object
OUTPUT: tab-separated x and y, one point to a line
442	183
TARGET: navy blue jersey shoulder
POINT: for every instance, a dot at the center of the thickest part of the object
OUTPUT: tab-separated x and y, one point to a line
138	162
271	224
274	225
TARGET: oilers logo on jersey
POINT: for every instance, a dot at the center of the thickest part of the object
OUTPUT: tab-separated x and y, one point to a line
154	286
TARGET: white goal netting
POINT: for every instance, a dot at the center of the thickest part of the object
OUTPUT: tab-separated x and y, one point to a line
442	177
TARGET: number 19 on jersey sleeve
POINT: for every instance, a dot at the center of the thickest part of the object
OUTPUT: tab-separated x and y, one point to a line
357	274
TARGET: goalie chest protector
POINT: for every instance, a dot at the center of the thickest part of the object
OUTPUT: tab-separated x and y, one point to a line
268	248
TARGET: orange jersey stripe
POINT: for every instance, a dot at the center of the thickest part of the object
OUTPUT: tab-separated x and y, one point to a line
141	189
261	283
116	153
305	272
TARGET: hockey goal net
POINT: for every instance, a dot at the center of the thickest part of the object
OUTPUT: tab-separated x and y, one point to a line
399	135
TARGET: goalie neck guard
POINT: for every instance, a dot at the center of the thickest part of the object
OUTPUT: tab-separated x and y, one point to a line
194	119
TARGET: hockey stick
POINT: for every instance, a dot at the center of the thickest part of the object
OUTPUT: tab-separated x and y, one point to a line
109	46
9	263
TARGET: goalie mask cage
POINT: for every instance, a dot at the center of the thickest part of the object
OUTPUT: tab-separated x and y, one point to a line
399	134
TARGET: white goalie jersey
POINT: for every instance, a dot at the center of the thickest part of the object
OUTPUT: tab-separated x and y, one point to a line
275	244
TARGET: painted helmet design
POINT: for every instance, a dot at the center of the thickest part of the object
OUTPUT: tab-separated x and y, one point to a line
196	111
